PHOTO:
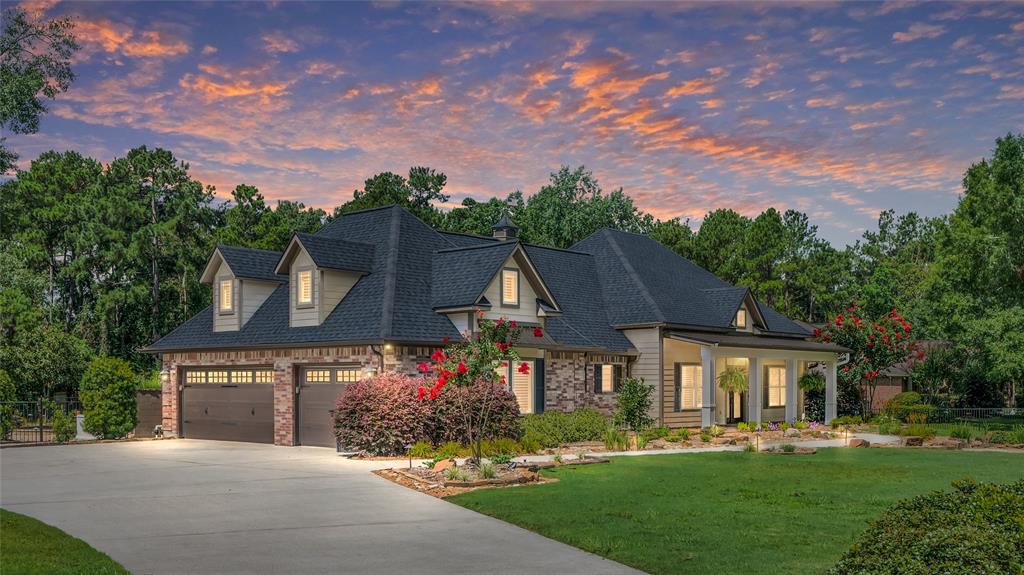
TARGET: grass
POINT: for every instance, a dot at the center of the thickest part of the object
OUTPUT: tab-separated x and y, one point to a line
31	547
731	512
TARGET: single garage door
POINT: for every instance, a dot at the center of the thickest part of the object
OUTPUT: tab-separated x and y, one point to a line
234	404
318	394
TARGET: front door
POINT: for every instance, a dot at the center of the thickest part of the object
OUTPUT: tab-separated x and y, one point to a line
736	407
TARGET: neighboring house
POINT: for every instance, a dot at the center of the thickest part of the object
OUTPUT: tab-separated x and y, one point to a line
380	290
897	378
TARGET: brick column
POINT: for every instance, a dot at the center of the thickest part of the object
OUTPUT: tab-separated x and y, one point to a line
284	403
169	398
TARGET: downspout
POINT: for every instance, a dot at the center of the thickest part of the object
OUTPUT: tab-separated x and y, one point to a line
380	357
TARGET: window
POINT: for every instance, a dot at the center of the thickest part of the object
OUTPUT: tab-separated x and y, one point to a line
318	376
192	376
217	377
510	287
241	377
607	377
775	385
348	375
689	386
226	304
264	376
741	318
520	384
305	287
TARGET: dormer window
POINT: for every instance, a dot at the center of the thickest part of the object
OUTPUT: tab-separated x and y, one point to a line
741	319
510	287
225	297
305	291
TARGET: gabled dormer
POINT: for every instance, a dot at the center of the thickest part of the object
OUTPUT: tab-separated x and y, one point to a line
321	271
747	317
242	279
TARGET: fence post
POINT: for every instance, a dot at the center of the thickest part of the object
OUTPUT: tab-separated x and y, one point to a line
39	414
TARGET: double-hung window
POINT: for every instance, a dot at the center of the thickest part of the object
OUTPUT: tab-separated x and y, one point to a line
688	386
775	384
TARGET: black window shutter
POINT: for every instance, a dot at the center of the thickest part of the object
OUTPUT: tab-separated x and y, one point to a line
678	387
764	387
597	378
618	377
538	381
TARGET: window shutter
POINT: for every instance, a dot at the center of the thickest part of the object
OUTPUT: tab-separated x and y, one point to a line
698	385
597	378
618	377
766	388
678	387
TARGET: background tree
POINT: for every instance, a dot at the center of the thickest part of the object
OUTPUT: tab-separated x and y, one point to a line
250	222
35	63
417	193
474	217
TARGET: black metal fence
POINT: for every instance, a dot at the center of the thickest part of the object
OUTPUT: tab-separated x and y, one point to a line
31	421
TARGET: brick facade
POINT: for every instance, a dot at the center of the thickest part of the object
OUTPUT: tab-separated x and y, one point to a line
569	378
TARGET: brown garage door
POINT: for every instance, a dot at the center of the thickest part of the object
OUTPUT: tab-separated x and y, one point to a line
318	394
229	404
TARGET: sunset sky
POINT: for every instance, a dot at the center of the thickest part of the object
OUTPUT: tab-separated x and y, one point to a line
838	110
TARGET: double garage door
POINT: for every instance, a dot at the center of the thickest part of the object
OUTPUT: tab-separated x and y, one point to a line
237	404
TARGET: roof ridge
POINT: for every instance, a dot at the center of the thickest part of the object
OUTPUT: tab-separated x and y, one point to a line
552	248
631	272
248	248
390	276
476	247
467	234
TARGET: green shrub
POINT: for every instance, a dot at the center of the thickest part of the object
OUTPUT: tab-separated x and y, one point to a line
963	431
633	405
8	415
615	440
811	381
107	393
888	425
784	425
488	471
976	528
421	450
846	421
454	473
1000	437
1017	434
750	448
904	405
556	428
705	436
450	449
801	424
150	381
922	430
641	442
63	424
681	434
655	433
716	430
530	444
501	458
742	426
788	448
500	446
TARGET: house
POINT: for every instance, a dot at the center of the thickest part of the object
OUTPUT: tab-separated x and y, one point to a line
380	290
897	378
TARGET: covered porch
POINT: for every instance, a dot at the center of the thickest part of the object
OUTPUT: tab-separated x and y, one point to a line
770	366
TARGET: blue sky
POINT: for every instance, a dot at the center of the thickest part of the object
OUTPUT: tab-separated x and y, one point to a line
839	110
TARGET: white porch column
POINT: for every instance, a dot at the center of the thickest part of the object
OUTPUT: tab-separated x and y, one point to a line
707	386
830	391
754	399
791	391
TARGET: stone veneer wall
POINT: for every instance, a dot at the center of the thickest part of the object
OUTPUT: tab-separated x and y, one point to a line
284	363
569	382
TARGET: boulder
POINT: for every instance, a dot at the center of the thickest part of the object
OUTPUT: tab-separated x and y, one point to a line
791	432
444	464
723	441
858	442
913	441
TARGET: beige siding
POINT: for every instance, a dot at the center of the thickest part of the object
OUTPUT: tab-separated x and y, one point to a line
304	316
677	352
648	364
335	286
527	310
225	321
253	294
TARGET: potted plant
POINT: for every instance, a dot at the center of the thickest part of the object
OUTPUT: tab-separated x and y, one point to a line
733	379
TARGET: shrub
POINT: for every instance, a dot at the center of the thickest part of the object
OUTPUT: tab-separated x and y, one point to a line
454	473
530	444
450	449
976	528
788	448
555	428
750	448
655	433
705	436
812	381
1017	434
615	440
641	442
681	434
716	430
800	424
742	426
8	415
447	421
846	421
501	458
381	415
888	425
922	430
903	405
633	404
421	450
784	425
1000	437
63	424
488	471
963	431
107	393
500	446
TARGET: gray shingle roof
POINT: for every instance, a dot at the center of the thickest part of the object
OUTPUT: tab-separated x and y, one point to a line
460	275
337	254
609	279
252	263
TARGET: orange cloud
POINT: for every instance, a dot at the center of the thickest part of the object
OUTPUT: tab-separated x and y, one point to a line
693	87
826	102
113	37
919	31
470	52
276	42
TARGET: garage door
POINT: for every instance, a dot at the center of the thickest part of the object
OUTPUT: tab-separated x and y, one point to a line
318	394
229	404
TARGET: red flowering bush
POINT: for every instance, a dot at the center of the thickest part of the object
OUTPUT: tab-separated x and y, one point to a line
381	415
470	364
875	346
448	422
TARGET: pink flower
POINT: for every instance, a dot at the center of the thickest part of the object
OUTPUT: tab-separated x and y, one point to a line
423	367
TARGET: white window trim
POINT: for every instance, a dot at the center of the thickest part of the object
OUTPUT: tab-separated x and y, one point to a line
697	388
230	307
742	312
299	302
506	301
781	387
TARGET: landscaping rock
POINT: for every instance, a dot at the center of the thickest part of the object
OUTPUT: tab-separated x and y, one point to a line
443	464
857	442
792	432
723	441
913	441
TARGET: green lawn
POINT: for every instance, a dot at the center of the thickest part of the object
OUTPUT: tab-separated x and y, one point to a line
31	547
731	512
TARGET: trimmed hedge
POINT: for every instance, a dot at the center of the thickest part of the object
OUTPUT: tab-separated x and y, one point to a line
555	428
976	528
107	393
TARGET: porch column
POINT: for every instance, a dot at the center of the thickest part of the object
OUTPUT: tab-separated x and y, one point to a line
754	399
791	390
707	386
830	391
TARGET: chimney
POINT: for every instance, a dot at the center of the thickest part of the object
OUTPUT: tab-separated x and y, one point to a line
504	229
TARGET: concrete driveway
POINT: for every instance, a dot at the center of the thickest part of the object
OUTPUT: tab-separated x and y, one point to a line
189	506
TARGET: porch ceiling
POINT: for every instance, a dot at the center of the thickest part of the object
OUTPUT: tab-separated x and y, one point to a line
755	341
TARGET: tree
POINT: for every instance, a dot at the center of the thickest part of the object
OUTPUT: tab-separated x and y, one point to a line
717	246
44	360
415	193
764	246
35	63
474	217
250	222
108	398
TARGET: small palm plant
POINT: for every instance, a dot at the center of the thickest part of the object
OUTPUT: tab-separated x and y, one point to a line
733	379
